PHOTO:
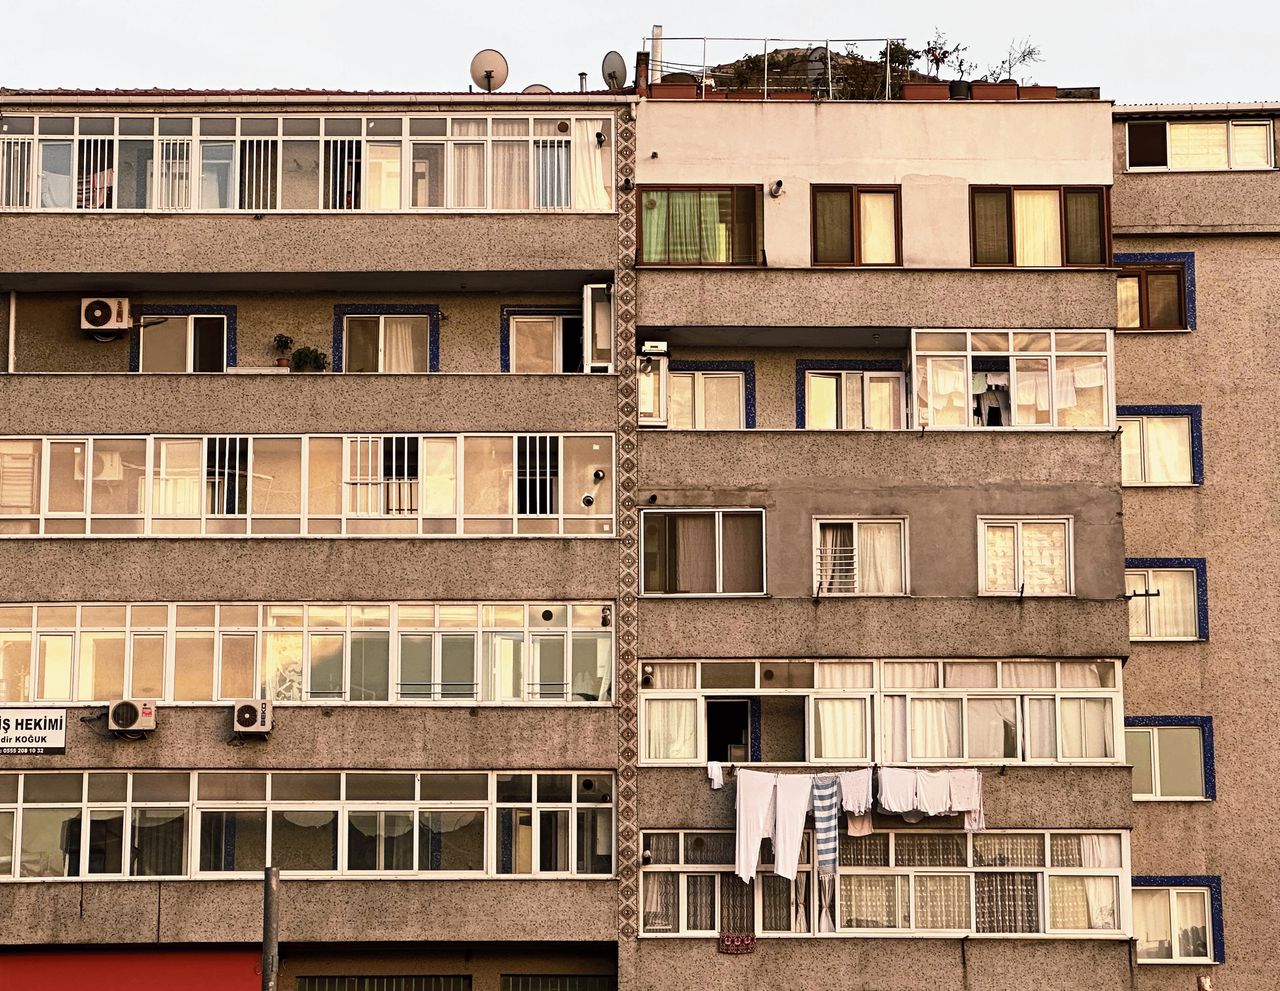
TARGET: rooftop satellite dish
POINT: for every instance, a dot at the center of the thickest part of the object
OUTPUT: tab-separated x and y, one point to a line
489	70
817	64
614	70
536	88
679	77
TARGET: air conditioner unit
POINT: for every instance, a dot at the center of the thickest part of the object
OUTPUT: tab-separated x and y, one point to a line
104	315
131	716
251	716
108	466
653	348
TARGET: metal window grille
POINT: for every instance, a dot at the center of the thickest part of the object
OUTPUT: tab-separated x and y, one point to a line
96	173
173	175
342	161
557	982
552	174
226	476
417	982
837	559
259	168
383	476
537	475
16	179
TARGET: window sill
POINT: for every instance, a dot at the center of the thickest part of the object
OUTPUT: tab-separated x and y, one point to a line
1177	963
1015	595
1154	330
704	595
1162	485
1165	170
1178	801
1168	640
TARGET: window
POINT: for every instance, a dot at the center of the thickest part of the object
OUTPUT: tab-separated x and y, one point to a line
997	378
509	653
544	341
183	344
1172	924
1164	604
925	711
705	400
259	163
215	824
383	982
1040	226
860	557
708	225
1199	146
557	982
703	552
1151	298
1025	556
857	225
386	344
1157	449
1169	761
395	484
854	400
1064	885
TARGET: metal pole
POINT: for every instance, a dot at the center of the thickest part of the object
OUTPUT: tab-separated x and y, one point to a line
270	927
888	92
831	95
766	68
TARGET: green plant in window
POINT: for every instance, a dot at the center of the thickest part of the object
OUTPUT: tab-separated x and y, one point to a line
308	360
282	344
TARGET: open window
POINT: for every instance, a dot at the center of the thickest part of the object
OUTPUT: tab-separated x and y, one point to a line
564	343
854	400
183	344
691	399
387	344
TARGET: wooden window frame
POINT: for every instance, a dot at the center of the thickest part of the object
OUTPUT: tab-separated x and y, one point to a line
1144	319
1231	123
855	192
758	251
1105	221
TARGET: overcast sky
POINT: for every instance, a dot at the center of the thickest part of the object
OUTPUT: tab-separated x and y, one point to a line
1176	50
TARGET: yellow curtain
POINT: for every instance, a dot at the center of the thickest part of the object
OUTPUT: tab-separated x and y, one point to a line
1198	146
1037	227
877	234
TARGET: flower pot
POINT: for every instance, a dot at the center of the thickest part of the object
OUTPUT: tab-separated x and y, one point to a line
993	91
926	91
745	94
958	89
1037	92
790	94
282	362
673	91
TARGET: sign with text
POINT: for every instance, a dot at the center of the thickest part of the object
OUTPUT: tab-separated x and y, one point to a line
34	732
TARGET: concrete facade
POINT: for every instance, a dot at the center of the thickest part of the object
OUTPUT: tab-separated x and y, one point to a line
291	273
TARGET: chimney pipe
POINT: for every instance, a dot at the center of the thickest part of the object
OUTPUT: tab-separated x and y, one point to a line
655	63
642	73
582	82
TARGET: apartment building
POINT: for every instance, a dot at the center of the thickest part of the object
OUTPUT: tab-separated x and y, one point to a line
658	430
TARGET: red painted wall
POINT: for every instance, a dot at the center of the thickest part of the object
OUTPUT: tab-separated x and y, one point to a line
131	970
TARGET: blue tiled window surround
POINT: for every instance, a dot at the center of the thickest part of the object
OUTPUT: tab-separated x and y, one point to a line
168	310
1211	881
1206	742
748	370
429	310
1197	435
806	365
1196	564
1187	259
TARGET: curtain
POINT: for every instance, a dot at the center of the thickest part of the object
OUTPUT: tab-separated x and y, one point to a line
468	176
878	228
552	174
654	220
1197	146
1250	145
1080	390
700	902
969	674
837	566
1173	611
991	227
737	905
1007	902
884	403
695	552
1008	850
1084	227
1044	558
1089	903
935	728
592	178
1042	732
832	226
992	729
1127	311
911	674
1087	728
661	902
682	227
1088	674
722	402
840	729
842	674
1151	924
880	558
1193	924
873	902
398	344
948	384
714	206
893	714
511	175
741	546
942	901
1000	545
675	675
671	729
1037	227
1029	674
1168	449
1031	391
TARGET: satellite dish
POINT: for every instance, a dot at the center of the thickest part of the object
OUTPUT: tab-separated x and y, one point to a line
817	64
489	70
679	77
614	70
536	88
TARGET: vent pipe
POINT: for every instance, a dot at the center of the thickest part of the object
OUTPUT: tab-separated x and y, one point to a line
655	65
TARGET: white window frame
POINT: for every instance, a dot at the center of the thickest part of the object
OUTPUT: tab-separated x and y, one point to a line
382	339
699	379
1139	423
1017	522
1148	578
1152	733
1231	132
1209	917
865	379
658	369
857	521
191	342
718	513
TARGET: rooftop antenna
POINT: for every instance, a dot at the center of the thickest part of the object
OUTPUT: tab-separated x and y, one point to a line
614	70
489	70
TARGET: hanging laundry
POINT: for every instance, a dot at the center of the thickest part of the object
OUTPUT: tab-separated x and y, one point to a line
756	807
794	799
716	773
979	383
855	790
933	792
826	821
1064	387
966	797
858	825
897	790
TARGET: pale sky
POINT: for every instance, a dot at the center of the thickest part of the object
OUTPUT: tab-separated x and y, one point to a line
1170	51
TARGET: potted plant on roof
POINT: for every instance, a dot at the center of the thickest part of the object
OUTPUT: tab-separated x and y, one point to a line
927	86
282	345
308	360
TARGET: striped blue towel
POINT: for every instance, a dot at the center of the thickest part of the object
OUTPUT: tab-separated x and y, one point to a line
826	821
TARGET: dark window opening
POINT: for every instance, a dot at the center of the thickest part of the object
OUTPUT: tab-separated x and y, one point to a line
729	730
1147	145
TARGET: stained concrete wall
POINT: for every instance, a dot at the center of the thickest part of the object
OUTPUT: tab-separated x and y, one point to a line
1225	367
933	150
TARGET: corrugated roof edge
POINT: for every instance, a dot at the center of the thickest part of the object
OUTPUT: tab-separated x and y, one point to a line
1190	109
196	97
